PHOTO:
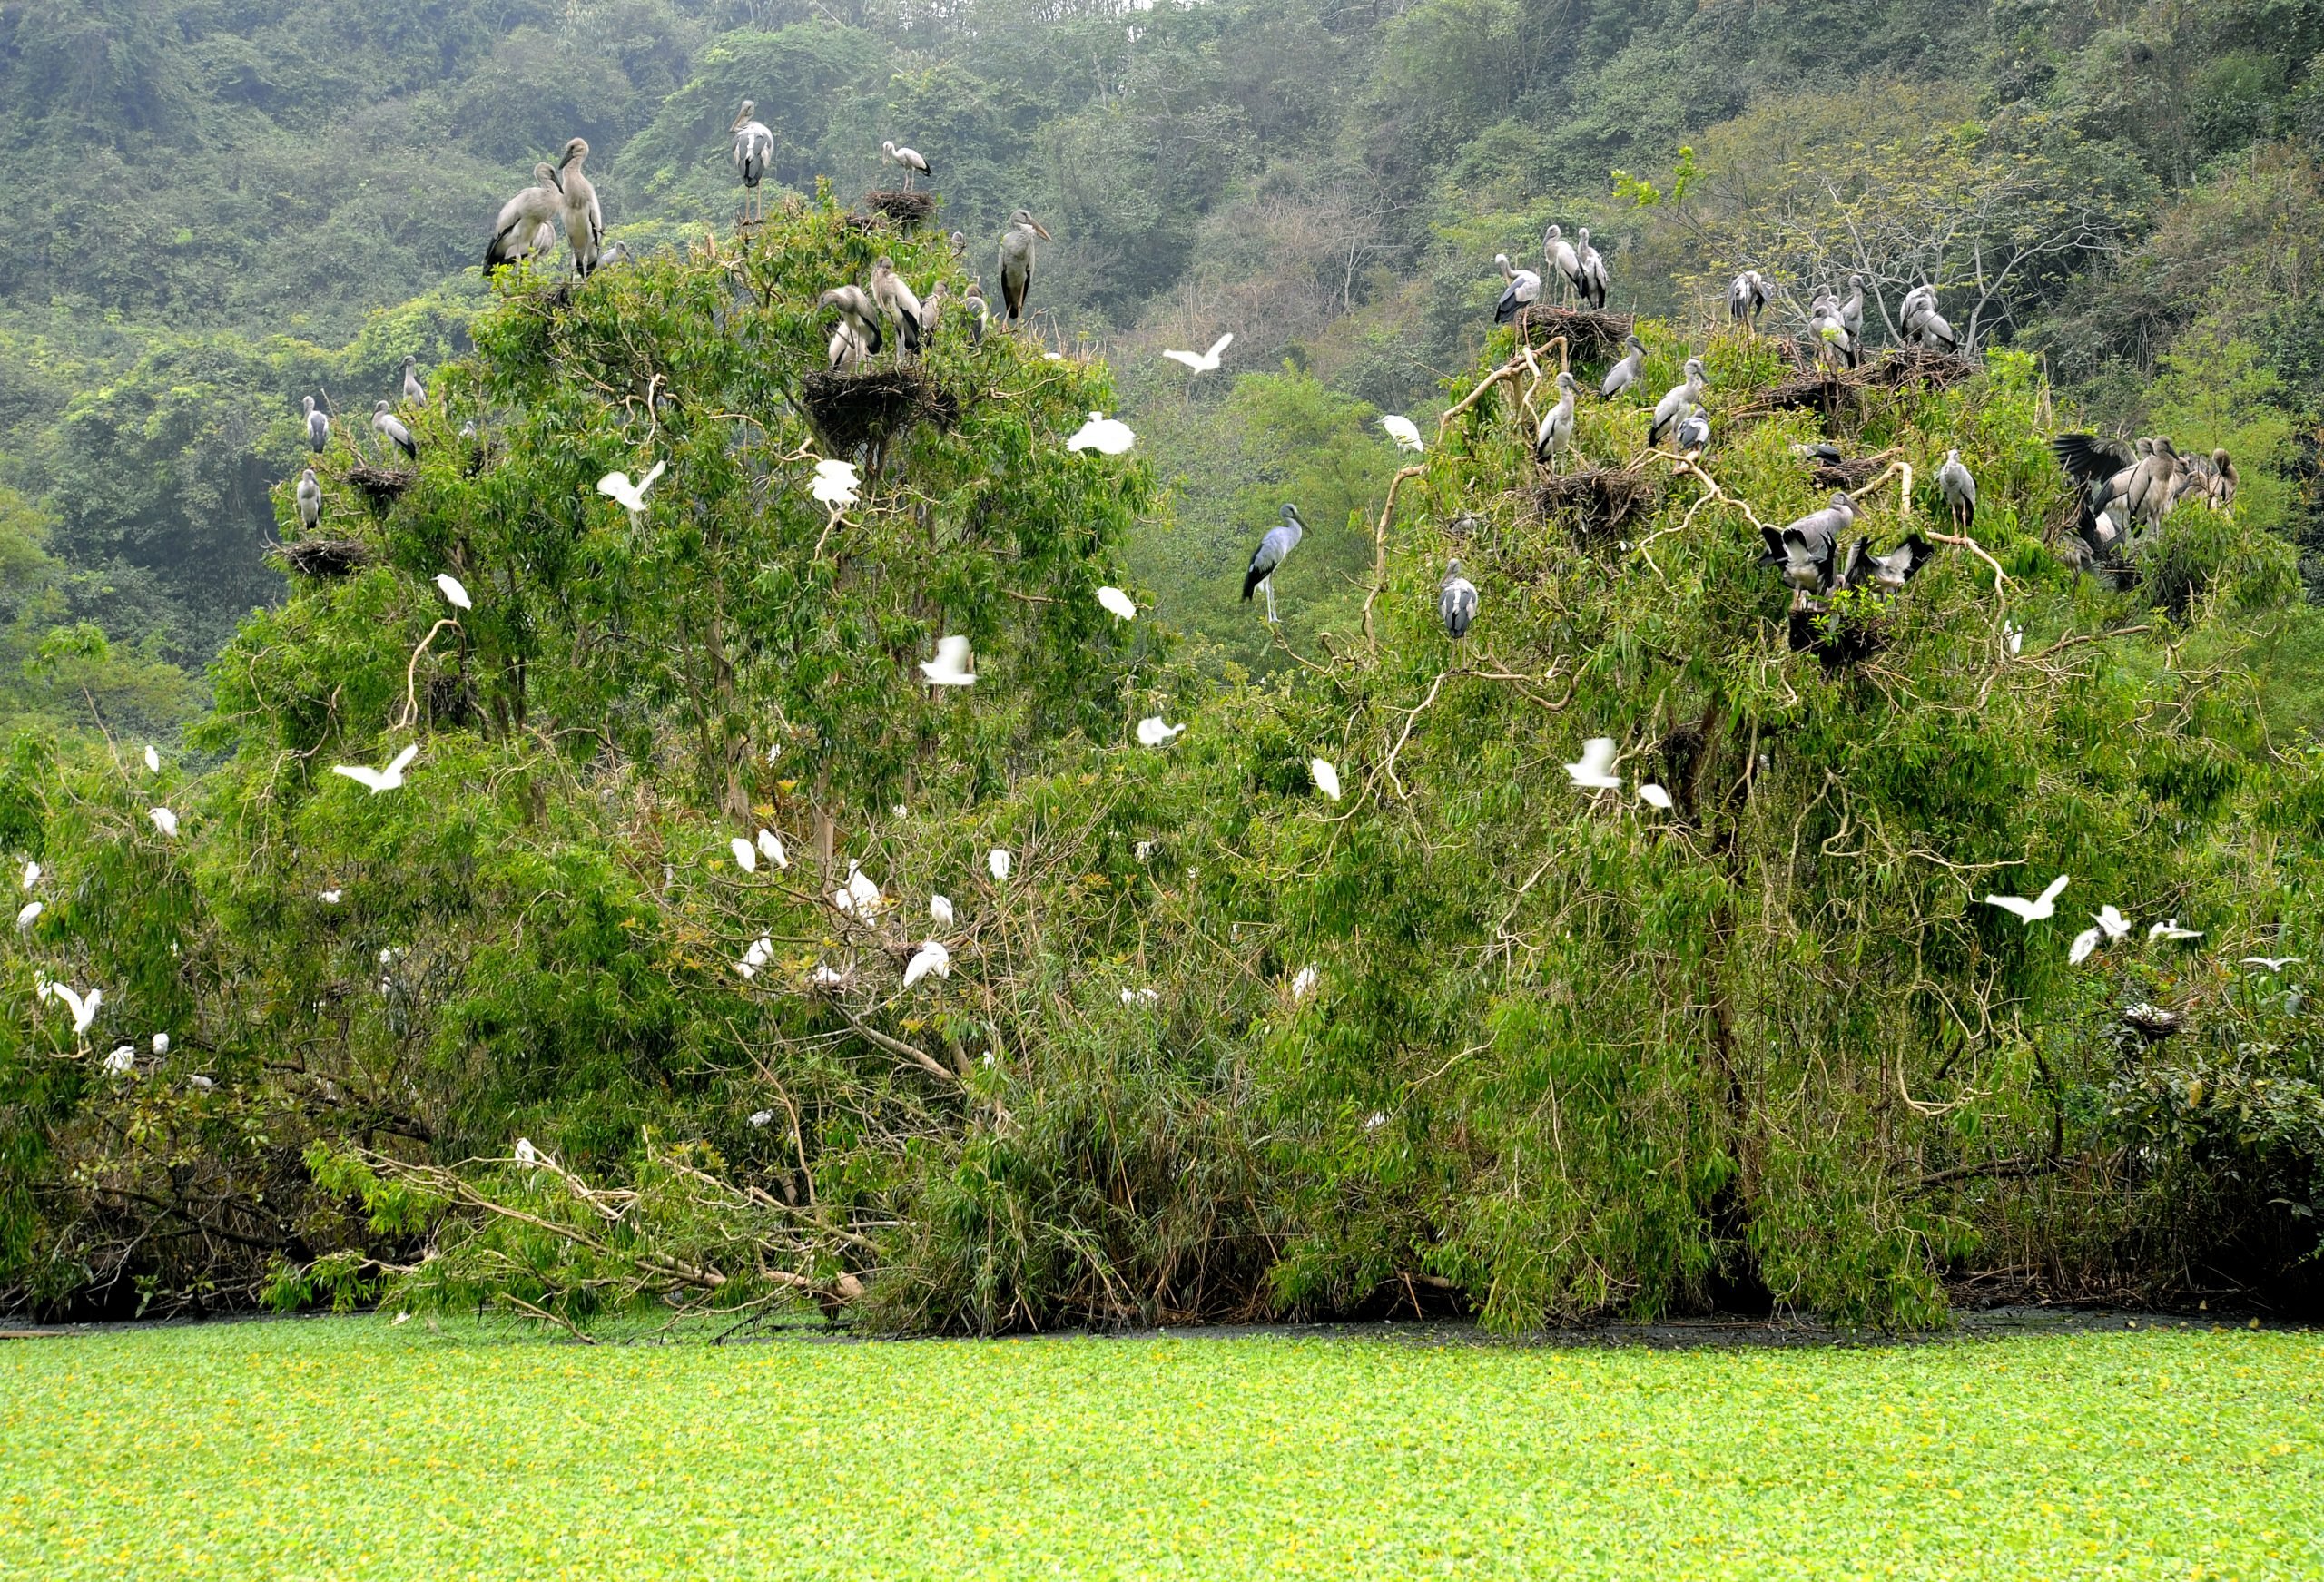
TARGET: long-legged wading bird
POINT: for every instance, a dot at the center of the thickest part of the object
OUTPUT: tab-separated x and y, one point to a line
1885	572
1805	549
1677	402
860	313
317	426
2223	480
1273	551
847	351
752	151
1590	270
1555	432
1017	261
527	221
1747	298
973	300
909	159
1694	433
1919	304
1456	602
393	431
1524	290
310	500
1561	262
584	221
2104	469
931	309
1852	319
1625	373
897	300
1959	489
414	391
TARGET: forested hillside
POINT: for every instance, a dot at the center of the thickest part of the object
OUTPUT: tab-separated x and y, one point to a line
582	907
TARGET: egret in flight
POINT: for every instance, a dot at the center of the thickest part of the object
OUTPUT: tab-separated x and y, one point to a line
1206	362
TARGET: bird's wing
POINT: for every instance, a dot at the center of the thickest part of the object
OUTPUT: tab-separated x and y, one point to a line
2088	458
72	1001
1188	358
655	471
616	486
403	759
2056	888
1597	754
2083	944
361	774
1220	345
2017	906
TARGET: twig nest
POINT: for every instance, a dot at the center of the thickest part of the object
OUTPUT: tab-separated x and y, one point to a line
381	485
325	557
902	209
853	409
1590	336
1596	505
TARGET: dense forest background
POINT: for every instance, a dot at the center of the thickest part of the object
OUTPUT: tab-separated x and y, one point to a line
217	207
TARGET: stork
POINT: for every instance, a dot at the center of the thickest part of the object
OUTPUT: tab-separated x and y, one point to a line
1556	430
909	159
897	300
1804	548
585	221
393	431
317	426
1017	261
1456	602
859	313
1852	319
1747	298
973	300
527	221
1590	270
1960	490
752	151
1524	290
1564	265
1677	402
1625	373
414	392
1268	558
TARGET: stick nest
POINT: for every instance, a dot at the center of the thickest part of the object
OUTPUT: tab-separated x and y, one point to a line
1597	504
1829	390
325	558
1837	641
866	409
382	485
902	209
1590	336
1852	474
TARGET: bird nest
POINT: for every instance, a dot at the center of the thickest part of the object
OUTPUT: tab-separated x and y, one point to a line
1837	641
382	485
1851	474
1828	389
1590	336
865	409
325	558
902	209
1598	502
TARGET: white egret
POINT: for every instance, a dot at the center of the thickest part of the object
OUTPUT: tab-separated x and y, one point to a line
121	1062
330	898
2083	944
762	1117
2169	930
630	497
2032	911
1654	796
454	594
771	848
379	780
1327	776
526	1154
201	1083
1137	997
153	758
2112	922
1594	770
1153	732
1105	435
835	484
85	1010
161	1044
1118	603
998	861
32	874
760	952
932	956
1303	983
28	916
165	821
2273	963
864	897
953	666
1403	431
1208	362
1375	1120
939	910
746	855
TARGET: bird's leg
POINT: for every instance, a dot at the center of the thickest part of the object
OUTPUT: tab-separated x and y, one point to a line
1269	586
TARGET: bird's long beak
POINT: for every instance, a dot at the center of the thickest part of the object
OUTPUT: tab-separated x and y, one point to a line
1044	235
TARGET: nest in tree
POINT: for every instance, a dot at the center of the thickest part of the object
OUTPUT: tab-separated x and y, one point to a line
1590	336
902	209
2150	1023
1596	503
1899	367
382	485
865	409
325	557
1837	642
450	703
1828	389
1851	475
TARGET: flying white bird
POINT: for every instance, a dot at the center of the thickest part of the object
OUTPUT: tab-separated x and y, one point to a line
1153	732
2113	922
2083	944
746	855
616	487
1594	770
29	916
771	848
2034	911
932	956
1208	361
836	484
2169	928
32	874
1118	604
330	898
85	1011
1327	778
2273	963
1131	996
526	1154
121	1062
1105	435
152	760
379	780
951	665
998	861
165	821
1654	796
455	594
762	1117
1403	431
940	908
161	1044
1304	983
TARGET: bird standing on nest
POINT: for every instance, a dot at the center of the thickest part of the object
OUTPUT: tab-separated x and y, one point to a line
909	159
898	301
859	314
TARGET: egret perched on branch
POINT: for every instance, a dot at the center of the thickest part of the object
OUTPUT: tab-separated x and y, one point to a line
1675	403
752	151
998	861
317	426
153	758
454	594
1017	261
746	855
896	300
310	500
951	665
379	780
932	956
771	848
1327	776
1594	770
1273	551
631	497
83	1009
1208	361
1524	290
1456	602
1403	431
939	910
1118	603
527	221
1154	732
2032	911
392	430
1105	435
584	221
1625	373
1654	796
909	159
165	821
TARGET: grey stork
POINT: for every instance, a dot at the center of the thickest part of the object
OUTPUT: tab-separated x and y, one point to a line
752	151
1017	261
